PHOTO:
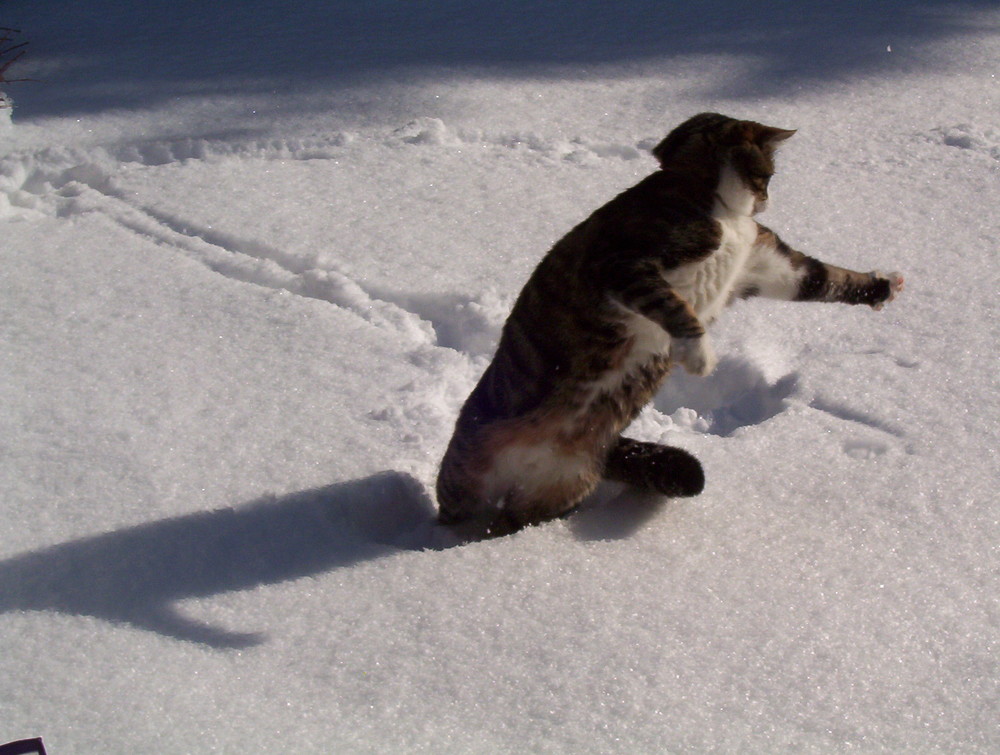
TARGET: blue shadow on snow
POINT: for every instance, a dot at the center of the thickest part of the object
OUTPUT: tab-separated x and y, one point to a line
106	54
136	575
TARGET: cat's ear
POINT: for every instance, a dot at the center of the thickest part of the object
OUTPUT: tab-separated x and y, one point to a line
751	132
769	136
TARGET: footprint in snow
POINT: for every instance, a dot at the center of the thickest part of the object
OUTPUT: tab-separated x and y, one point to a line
985	141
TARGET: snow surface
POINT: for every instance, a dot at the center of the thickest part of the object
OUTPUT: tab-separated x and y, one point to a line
255	255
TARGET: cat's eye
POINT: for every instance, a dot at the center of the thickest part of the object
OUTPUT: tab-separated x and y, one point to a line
760	180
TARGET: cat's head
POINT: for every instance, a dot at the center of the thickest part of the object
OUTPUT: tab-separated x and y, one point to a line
730	149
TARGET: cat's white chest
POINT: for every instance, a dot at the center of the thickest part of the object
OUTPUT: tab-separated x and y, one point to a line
708	284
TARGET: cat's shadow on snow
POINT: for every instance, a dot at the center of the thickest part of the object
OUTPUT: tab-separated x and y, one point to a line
137	575
614	512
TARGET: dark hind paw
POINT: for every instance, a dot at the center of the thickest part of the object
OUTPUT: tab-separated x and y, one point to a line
449	518
674	472
667	470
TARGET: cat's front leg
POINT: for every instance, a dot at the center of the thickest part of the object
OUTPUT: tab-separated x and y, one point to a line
895	284
643	289
696	355
779	272
823	282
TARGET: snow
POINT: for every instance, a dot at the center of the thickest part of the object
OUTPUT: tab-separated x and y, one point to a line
255	256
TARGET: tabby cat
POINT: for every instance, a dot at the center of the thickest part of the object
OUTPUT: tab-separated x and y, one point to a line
616	302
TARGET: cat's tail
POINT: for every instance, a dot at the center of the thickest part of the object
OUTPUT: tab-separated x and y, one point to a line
667	470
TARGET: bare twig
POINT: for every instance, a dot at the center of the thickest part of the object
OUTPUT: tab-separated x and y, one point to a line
7	59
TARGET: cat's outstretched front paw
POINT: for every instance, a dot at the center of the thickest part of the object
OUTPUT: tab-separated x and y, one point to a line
895	285
695	354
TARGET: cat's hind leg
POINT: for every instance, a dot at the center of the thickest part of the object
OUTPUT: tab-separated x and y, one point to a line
544	480
527	502
667	470
525	508
511	477
464	509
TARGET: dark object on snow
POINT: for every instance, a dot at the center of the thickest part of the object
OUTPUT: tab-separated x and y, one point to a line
23	747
